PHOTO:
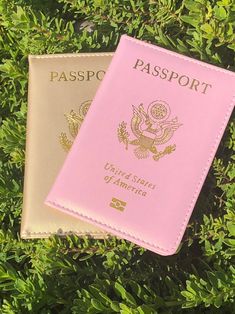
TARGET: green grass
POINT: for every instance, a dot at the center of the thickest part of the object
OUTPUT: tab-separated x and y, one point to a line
72	275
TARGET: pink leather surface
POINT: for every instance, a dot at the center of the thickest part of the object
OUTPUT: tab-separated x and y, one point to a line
158	220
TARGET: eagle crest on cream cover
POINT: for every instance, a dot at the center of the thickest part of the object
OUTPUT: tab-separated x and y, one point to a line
145	148
61	87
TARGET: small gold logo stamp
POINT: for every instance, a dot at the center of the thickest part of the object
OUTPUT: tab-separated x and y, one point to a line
117	204
151	127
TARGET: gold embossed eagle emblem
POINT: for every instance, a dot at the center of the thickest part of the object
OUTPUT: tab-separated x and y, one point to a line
74	120
151	128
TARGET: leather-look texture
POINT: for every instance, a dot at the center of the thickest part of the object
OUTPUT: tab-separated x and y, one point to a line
61	88
137	167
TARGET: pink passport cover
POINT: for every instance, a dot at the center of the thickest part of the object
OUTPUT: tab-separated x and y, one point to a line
141	157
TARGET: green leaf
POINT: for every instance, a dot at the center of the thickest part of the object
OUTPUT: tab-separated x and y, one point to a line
97	305
124	294
207	28
189	20
220	13
231	228
188	295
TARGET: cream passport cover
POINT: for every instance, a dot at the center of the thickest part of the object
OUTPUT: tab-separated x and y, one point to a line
61	88
147	143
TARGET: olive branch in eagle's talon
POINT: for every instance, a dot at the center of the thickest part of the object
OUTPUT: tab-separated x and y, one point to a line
74	122
123	135
65	142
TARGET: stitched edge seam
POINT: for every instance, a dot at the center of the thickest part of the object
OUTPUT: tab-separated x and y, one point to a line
64	208
180	56
81	233
81	55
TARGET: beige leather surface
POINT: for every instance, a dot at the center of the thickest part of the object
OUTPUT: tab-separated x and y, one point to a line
59	85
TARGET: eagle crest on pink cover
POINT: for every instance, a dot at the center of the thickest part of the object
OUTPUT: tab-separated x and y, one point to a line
151	128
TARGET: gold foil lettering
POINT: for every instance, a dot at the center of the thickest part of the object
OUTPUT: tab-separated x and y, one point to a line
76	76
54	75
172	76
62	77
194	84
90	74
181	79
206	85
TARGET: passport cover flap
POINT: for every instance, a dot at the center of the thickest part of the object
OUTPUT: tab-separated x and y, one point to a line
60	90
143	153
